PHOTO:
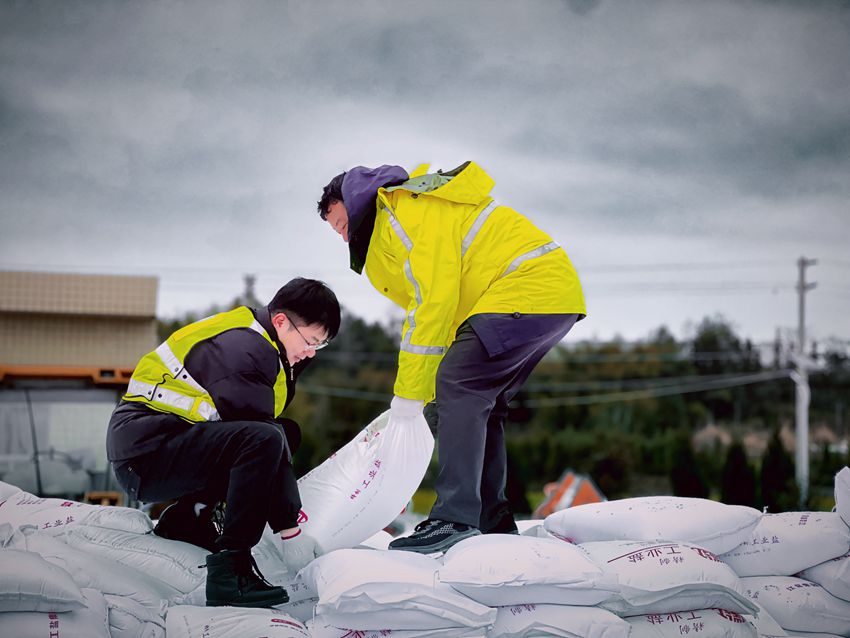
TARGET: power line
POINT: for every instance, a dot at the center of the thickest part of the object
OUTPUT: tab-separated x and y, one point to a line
685	388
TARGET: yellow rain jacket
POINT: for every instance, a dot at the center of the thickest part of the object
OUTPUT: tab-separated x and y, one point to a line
161	381
444	250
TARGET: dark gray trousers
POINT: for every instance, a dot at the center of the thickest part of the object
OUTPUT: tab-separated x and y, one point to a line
472	394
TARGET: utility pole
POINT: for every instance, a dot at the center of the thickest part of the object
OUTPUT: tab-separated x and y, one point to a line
801	379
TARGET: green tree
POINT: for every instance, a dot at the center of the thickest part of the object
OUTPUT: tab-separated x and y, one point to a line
779	490
738	480
686	476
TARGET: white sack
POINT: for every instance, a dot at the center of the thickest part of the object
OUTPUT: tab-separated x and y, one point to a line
7	489
842	494
30	583
799	605
658	578
231	622
303	609
714	526
784	544
320	628
88	621
56	516
369	589
97	572
808	634
506	569
175	563
833	576
381	540
765	625
518	621
705	623
362	488
129	619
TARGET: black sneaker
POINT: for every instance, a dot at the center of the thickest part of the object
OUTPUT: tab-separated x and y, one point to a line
434	535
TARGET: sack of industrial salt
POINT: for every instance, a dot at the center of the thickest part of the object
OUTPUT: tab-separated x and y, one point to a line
842	494
799	605
97	572
507	569
129	619
320	628
518	621
177	564
705	623
784	544
231	622
364	589
380	540
55	516
89	620
659	578
833	576
765	625
7	490
708	524
362	488
30	583
814	634
302	610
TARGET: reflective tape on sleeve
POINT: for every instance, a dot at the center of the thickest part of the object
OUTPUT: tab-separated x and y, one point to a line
531	254
175	366
172	399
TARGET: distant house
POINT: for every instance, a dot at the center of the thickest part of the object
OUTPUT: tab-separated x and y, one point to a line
68	345
55	324
570	490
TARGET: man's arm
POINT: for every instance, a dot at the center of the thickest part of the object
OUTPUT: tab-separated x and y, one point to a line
238	368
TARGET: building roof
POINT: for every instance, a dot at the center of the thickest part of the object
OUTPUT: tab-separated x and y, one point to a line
75	294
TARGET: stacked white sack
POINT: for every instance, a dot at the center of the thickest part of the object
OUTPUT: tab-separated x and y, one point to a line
785	544
231	622
503	569
89	620
362	488
713	526
799	605
55	516
661	578
319	628
129	619
519	621
765	624
842	494
833	575
364	589
706	623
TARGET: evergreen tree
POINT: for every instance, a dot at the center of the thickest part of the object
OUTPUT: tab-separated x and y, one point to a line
738	480
779	490
686	476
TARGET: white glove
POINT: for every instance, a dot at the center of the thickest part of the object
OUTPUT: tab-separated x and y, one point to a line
401	408
298	550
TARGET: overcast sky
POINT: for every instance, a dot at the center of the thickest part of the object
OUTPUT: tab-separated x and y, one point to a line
685	154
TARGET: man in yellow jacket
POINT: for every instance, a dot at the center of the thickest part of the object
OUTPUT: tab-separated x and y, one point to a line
486	294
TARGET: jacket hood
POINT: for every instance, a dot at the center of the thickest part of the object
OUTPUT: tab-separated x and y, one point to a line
359	191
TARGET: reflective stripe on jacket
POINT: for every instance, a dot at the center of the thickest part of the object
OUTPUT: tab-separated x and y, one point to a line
162	382
444	250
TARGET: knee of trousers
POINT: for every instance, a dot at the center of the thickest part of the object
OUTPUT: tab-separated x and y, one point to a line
265	437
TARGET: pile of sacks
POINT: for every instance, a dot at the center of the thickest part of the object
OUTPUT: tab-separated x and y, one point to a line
655	567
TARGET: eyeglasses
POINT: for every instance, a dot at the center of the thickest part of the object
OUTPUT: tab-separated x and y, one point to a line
308	345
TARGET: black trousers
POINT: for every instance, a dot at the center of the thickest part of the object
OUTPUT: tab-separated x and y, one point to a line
472	394
245	463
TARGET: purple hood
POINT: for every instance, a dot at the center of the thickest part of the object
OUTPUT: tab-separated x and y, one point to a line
359	191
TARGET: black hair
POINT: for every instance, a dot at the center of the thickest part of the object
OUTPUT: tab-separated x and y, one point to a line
330	194
308	301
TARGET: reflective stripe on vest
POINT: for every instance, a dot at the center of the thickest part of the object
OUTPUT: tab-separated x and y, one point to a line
405	345
173	399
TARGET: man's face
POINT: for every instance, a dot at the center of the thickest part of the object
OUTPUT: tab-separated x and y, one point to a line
299	342
337	217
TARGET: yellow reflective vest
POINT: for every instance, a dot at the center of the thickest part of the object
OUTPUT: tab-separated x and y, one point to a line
444	250
162	382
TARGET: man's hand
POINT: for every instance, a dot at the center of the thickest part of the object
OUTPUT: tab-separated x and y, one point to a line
298	549
401	408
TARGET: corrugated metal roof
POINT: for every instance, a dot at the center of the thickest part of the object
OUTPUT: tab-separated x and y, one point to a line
74	294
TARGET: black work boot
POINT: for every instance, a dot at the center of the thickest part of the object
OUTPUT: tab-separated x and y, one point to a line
183	522
233	579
